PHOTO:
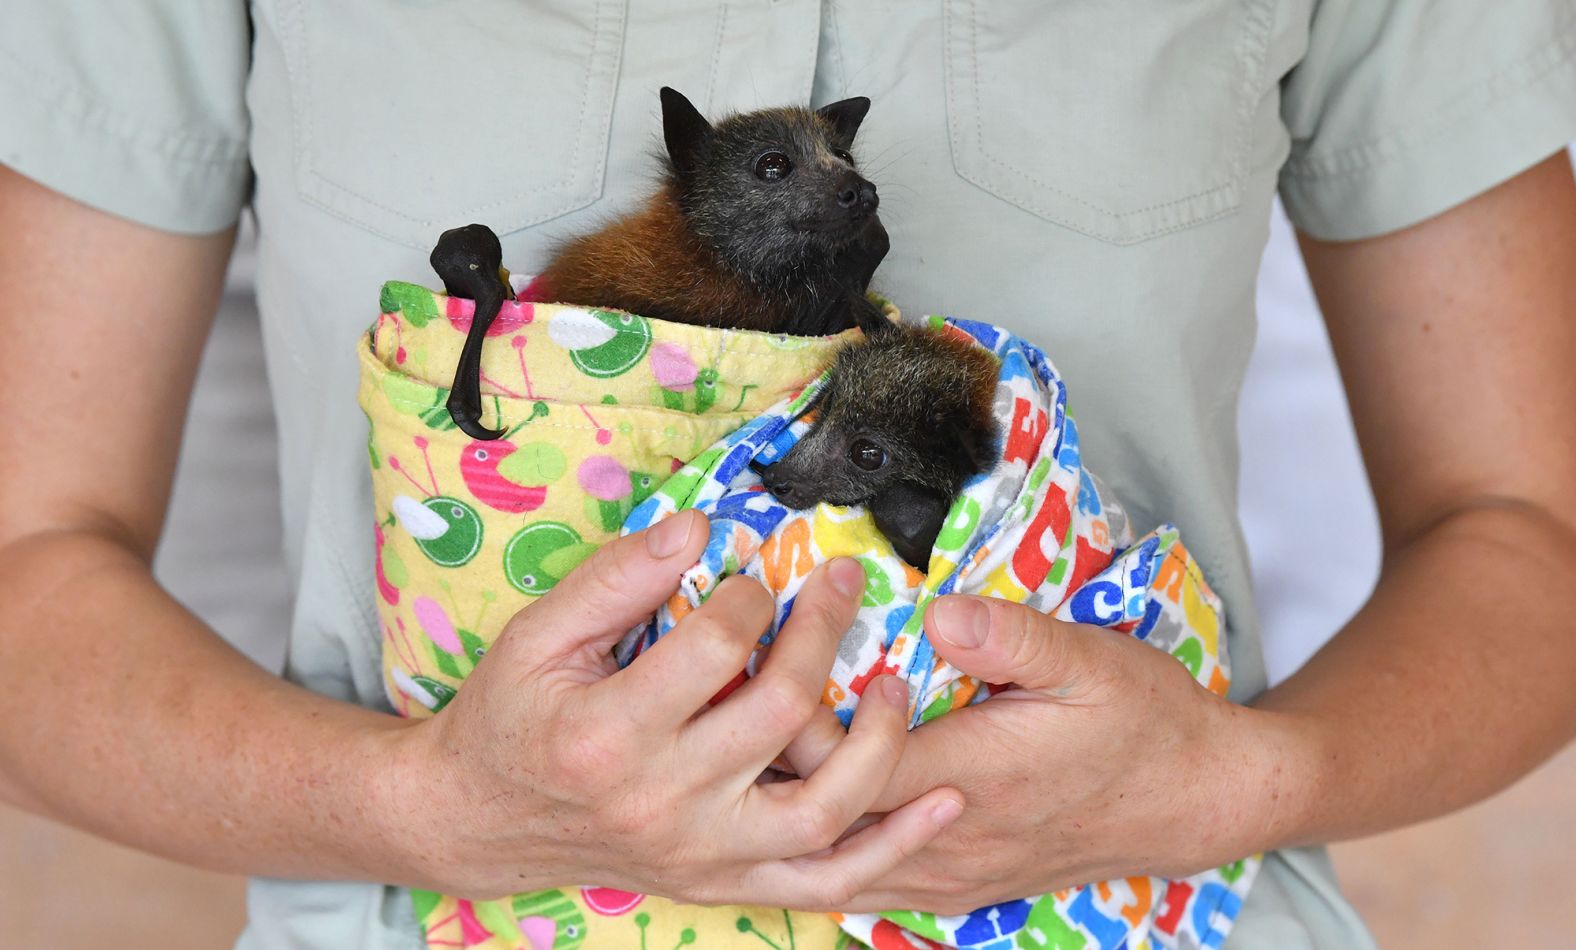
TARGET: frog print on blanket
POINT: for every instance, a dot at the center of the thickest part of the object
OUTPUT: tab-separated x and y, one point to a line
600	409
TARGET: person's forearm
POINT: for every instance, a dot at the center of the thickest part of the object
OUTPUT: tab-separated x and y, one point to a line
143	726
1454	680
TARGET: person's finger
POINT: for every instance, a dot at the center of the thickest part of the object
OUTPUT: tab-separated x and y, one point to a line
884	895
812	814
1002	642
618	586
834	878
704	652
932	882
914	885
861	823
942	750
811	746
765	714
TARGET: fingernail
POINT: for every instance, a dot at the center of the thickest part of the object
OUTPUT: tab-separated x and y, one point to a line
895	690
961	621
847	576
666	537
946	812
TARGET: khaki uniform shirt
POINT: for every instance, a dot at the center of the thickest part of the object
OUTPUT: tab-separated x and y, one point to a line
1095	176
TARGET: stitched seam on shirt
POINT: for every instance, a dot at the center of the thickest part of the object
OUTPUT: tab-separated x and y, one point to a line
1233	168
830	12
560	184
1356	159
812	52
92	115
1222	195
563	183
297	78
599	173
358	592
1254	43
716	55
950	88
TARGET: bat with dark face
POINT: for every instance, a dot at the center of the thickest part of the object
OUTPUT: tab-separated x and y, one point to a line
906	417
762	222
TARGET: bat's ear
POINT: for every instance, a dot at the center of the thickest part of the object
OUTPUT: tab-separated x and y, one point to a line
979	446
845	115
971	447
685	131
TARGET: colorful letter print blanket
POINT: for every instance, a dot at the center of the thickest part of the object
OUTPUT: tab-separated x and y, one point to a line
601	407
1037	529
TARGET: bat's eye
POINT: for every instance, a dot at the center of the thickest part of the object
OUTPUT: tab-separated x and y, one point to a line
842	153
867	455
773	166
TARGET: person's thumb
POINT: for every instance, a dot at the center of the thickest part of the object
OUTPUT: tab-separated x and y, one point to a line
620	585
1002	642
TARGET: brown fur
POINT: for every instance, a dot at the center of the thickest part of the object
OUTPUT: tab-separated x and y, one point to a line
663	270
979	368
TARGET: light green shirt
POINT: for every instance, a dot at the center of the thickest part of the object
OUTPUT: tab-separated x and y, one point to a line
1095	176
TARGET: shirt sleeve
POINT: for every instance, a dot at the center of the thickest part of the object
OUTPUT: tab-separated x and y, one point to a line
1403	109
137	109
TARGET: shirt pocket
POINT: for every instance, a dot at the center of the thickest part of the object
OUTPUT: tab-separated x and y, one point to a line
1120	121
415	116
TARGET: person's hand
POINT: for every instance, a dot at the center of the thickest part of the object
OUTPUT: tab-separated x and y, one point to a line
1109	761
552	766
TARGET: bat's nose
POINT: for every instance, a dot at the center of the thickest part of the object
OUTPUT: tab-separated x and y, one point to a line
776	482
854	194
